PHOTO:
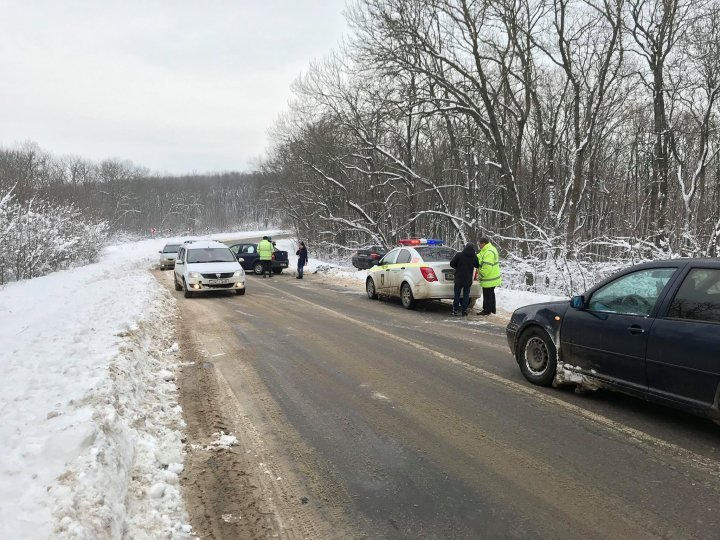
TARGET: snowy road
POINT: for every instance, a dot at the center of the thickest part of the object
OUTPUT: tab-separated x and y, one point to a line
359	418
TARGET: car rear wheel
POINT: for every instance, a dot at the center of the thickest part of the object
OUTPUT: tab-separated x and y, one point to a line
370	288
278	271
406	296
188	293
175	282
537	356
258	269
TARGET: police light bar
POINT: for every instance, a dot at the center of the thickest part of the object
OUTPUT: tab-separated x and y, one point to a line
421	242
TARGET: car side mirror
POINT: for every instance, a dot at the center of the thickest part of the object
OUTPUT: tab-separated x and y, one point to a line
240	259
577	302
160	251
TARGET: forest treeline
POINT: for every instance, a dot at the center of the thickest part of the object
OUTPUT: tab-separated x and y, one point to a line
570	131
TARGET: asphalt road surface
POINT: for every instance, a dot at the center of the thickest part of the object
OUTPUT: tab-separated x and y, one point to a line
358	418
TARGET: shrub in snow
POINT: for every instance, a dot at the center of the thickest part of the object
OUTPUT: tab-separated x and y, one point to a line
37	238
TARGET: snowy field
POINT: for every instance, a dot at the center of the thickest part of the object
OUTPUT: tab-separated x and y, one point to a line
91	433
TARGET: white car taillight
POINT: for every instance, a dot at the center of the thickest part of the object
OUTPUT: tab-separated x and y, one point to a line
428	273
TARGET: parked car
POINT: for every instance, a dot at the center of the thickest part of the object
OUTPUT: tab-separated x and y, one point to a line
368	257
168	254
251	260
652	331
207	265
417	270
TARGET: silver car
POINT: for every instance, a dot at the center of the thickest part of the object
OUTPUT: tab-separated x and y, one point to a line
168	254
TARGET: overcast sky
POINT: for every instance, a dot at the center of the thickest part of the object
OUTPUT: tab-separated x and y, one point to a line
177	86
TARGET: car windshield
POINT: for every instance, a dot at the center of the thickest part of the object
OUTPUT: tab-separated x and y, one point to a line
210	255
171	248
435	253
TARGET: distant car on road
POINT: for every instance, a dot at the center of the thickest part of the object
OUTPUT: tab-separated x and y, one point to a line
168	254
417	270
251	259
368	257
207	265
651	331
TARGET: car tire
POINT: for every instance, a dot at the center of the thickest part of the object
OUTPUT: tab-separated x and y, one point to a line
175	282
162	267
278	271
188	293
406	296
239	292
258	269
537	356
370	289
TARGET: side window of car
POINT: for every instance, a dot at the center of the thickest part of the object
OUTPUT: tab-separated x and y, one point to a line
632	294
698	298
235	249
390	257
248	249
403	257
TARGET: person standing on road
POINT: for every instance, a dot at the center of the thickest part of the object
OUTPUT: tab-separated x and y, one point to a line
265	250
464	262
488	274
302	259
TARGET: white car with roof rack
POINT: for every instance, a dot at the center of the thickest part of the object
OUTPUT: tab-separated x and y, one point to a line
207	265
418	269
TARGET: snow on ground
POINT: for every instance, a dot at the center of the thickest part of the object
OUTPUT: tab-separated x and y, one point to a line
90	438
91	433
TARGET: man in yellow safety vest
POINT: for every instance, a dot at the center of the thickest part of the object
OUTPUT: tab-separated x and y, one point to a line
265	250
488	274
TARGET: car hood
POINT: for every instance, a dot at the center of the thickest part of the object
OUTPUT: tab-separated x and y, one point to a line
209	268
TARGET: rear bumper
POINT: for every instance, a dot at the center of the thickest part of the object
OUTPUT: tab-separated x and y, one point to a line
435	290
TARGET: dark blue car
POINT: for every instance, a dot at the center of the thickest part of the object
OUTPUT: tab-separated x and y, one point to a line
652	331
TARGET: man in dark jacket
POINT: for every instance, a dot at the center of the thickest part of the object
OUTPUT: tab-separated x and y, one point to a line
302	259
464	262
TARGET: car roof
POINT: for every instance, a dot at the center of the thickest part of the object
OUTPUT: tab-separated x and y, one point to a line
204	244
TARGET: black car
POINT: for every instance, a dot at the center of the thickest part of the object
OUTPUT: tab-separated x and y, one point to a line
652	331
368	257
251	259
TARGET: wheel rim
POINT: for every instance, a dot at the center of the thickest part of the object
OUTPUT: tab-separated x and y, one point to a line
537	356
258	269
406	295
370	287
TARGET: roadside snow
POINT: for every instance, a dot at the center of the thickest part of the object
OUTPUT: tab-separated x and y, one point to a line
91	432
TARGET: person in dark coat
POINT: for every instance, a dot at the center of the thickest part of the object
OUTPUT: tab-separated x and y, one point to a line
302	259
464	262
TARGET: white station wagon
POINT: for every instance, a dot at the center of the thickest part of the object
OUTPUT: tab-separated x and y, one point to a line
207	265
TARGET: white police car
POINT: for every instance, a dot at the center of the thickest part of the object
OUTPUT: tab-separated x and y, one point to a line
419	269
207	265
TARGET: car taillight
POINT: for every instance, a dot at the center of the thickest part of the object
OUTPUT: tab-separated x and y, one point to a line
428	273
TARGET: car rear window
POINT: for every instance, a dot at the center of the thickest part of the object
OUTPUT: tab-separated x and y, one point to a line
207	255
698	298
171	248
436	253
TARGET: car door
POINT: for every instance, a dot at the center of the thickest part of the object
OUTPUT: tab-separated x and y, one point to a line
683	358
397	271
381	272
608	337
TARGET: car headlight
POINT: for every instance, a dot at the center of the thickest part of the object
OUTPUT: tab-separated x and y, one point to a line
239	273
194	275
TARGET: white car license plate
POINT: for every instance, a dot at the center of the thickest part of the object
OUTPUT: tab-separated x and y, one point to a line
218	281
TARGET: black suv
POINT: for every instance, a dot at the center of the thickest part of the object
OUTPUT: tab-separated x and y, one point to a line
652	330
368	257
